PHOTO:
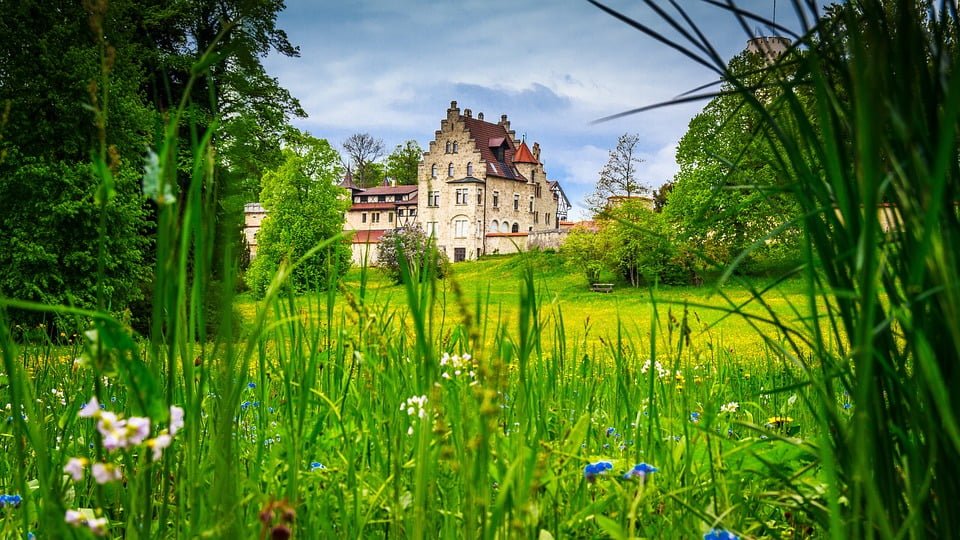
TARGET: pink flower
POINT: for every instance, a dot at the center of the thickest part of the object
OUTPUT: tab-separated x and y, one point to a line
138	429
74	468
74	518
106	472
91	409
98	526
158	444
176	419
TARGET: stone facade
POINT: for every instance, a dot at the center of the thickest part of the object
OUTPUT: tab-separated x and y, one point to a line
481	191
253	214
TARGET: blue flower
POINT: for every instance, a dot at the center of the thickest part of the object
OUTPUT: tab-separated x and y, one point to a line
10	500
640	470
251	385
720	534
592	470
694	417
848	405
244	405
316	465
610	431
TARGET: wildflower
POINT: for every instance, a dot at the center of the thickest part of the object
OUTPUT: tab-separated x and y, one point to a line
592	470
75	518
74	468
98	526
10	500
176	419
316	465
415	406
138	428
91	409
158	445
105	472
731	407
778	421
661	372
847	405
610	431
640	470
719	534
251	385
694	417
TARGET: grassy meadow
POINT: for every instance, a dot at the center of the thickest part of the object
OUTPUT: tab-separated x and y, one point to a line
508	401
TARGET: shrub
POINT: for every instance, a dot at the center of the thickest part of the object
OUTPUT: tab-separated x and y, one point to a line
416	248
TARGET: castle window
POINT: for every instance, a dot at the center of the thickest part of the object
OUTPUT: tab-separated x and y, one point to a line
462	194
494	226
433	171
447	150
516	228
516	201
431	228
536	218
504	226
470	169
546	218
460	228
479	197
456	147
433	199
450	170
531	203
496	199
538	191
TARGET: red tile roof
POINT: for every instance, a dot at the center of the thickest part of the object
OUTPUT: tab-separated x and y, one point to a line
368	237
389	190
524	155
486	134
374	206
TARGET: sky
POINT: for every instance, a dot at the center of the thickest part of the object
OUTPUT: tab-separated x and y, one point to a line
390	68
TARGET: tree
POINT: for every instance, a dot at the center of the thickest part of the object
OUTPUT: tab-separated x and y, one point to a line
304	207
403	162
727	196
619	177
362	150
412	247
589	250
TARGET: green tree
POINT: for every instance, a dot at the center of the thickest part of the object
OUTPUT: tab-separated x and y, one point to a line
402	163
641	247
589	250
304	208
727	197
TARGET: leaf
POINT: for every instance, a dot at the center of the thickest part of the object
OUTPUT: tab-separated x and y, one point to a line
611	527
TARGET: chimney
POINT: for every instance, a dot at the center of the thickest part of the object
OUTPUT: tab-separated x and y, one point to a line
468	113
453	112
479	116
504	122
536	151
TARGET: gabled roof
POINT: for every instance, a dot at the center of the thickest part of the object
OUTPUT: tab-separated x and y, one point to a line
488	137
466	180
524	155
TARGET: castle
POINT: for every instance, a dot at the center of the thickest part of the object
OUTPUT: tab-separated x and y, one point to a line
479	191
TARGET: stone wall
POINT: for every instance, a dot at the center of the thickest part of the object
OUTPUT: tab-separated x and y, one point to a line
547	239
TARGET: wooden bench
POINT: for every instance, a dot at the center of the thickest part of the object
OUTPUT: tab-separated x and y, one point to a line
601	287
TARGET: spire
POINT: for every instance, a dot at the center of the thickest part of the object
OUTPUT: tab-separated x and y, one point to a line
523	154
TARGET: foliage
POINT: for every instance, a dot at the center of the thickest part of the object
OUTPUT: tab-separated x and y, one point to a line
403	162
588	250
408	251
728	196
619	176
641	242
304	207
363	150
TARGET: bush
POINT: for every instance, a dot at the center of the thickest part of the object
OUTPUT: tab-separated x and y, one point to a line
419	250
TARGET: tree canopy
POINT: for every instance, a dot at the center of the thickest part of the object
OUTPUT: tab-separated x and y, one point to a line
304	208
402	163
363	150
620	175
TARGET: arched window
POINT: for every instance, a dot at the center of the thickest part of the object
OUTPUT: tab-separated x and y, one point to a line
450	170
433	171
504	226
516	227
494	226
456	147
470	169
447	150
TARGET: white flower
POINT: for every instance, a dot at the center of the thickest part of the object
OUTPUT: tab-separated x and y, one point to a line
158	445
731	407
105	472
113	429
415	406
91	409
74	468
176	419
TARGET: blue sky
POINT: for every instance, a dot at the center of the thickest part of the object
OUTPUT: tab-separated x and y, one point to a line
391	68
